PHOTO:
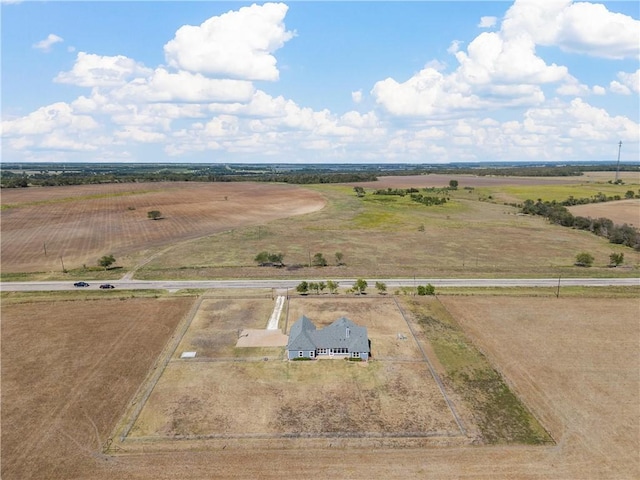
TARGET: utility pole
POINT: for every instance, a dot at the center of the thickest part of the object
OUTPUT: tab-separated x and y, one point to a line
618	165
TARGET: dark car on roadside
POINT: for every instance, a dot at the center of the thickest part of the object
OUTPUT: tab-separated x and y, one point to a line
107	285
81	284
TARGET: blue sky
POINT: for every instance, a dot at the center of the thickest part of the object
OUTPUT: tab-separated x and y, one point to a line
296	82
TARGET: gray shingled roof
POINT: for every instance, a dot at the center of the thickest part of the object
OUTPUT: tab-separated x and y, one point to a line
342	333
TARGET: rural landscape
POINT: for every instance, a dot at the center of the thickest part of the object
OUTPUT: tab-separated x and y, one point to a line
146	380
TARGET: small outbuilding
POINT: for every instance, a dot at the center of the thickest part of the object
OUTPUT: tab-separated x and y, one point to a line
341	339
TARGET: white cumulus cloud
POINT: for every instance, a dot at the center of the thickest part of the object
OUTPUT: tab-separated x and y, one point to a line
487	22
48	119
237	44
580	27
164	86
629	82
46	44
502	68
92	70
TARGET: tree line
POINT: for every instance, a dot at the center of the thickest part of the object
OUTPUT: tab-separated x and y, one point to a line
557	213
13	180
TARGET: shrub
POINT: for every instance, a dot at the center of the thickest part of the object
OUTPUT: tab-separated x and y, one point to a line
426	289
584	259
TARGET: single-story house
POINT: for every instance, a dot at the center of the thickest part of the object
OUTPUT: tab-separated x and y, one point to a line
342	338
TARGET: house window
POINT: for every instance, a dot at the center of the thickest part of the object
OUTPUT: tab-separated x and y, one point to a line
355	354
312	354
300	354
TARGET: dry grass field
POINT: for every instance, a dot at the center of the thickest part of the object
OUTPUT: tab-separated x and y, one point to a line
66	381
229	392
79	224
382	237
202	235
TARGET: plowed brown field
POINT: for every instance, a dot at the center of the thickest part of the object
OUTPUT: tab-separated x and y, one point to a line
624	211
68	371
43	228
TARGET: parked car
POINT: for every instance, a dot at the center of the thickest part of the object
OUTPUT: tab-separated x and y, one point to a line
81	284
107	285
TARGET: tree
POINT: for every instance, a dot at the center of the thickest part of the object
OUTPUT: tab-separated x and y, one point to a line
624	235
361	285
106	261
584	259
262	258
629	194
382	287
453	184
303	288
359	191
266	258
154	215
339	257
616	259
322	286
313	286
332	286
276	258
427	289
319	260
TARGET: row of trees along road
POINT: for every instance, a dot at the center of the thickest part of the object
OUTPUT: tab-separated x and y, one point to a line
359	287
265	259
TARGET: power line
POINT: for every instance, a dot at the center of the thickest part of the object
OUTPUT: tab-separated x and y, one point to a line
618	165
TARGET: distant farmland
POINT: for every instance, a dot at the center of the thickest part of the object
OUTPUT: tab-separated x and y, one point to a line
623	211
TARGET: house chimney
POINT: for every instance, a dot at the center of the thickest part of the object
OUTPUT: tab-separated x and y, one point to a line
348	331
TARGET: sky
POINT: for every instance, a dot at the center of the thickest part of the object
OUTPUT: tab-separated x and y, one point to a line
425	82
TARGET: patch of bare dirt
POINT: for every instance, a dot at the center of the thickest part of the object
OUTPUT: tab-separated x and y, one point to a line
262	338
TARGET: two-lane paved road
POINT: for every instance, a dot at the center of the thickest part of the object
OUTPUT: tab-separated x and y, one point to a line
284	284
